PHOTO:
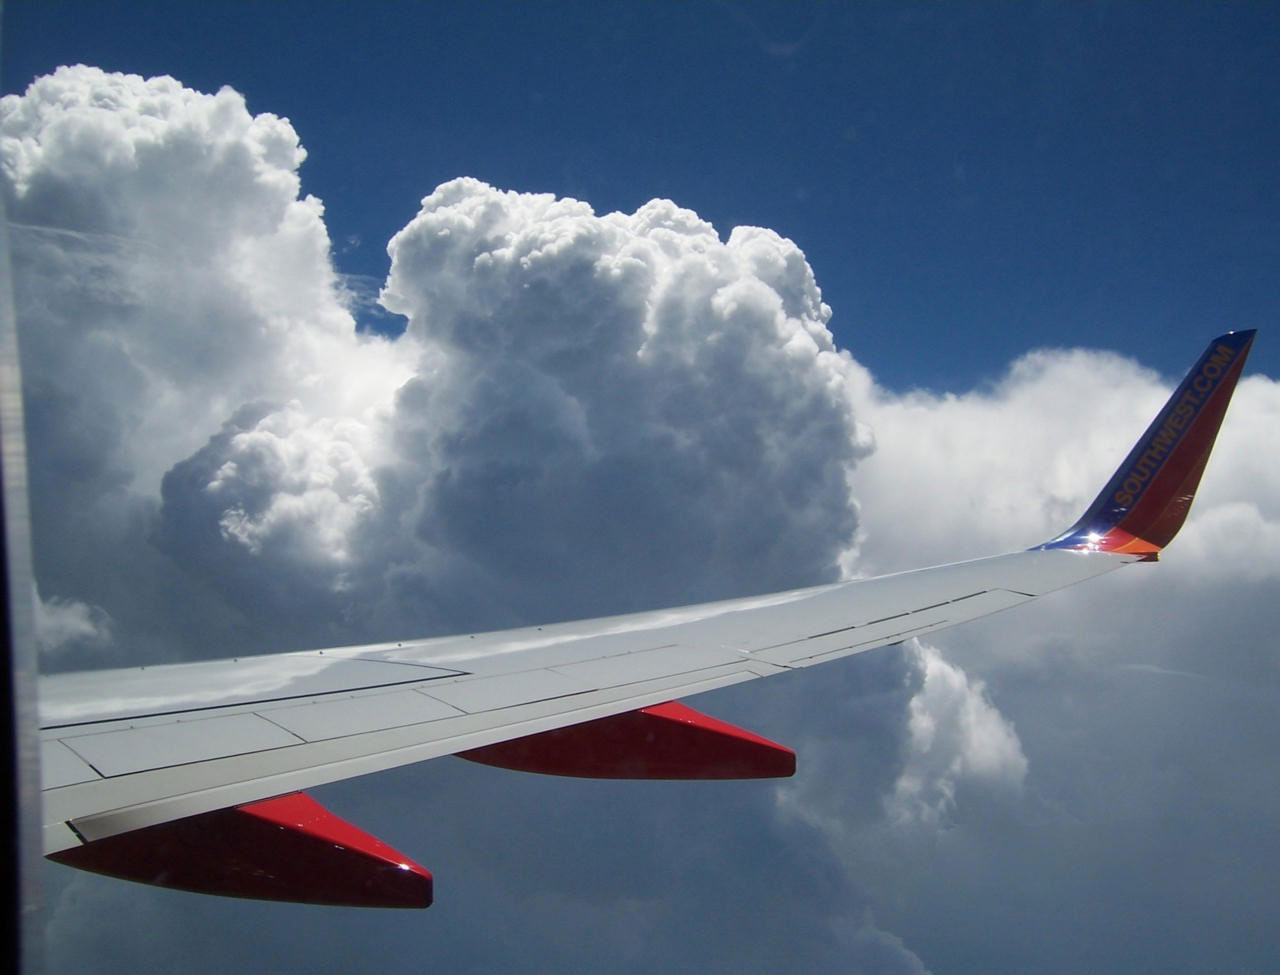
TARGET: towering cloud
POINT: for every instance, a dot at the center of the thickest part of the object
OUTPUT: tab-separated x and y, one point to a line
168	278
586	413
610	412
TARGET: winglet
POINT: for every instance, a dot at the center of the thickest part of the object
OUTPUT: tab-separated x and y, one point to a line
1147	499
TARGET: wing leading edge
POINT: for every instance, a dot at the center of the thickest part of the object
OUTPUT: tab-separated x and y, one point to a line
140	760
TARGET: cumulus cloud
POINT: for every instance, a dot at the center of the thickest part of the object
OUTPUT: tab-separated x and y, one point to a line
65	623
998	468
956	734
168	276
905	737
585	414
613	411
603	413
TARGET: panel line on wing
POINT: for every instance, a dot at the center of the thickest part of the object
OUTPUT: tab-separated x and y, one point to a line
501	691
60	765
875	622
249	704
879	641
359	713
114	753
630	668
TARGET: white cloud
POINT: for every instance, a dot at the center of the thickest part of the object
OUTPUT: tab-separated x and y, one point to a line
956	735
586	413
167	277
310	480
65	623
172	273
998	469
612	411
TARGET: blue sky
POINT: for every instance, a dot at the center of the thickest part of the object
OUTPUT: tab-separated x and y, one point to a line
1026	221
966	182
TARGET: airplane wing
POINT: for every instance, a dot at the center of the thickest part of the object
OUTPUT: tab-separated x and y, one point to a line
190	775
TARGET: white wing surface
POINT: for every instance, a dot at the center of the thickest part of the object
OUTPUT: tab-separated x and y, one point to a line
130	748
